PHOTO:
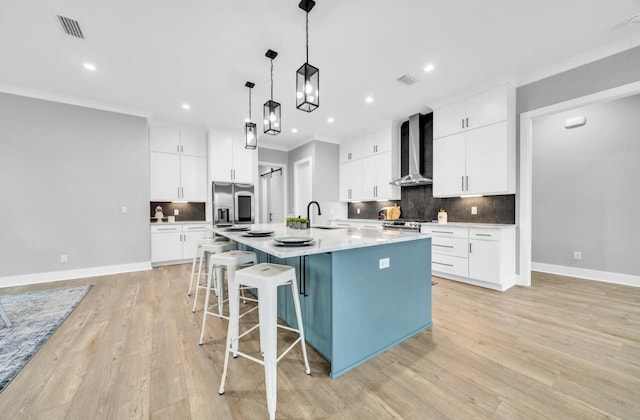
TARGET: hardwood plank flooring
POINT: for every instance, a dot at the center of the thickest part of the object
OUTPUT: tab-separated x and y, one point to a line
563	348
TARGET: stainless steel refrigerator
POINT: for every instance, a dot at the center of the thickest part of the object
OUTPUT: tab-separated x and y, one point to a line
232	203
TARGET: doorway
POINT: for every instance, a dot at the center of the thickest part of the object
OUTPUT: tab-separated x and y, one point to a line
302	185
272	193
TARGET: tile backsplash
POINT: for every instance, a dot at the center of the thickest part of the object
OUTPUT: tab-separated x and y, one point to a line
187	211
419	203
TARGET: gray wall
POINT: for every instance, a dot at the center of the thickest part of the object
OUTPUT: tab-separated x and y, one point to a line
65	173
585	195
272	156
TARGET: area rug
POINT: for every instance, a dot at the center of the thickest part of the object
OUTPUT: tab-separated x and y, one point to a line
34	317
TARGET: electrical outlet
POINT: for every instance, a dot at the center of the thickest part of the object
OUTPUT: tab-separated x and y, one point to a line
383	263
357	211
474	210
64	258
124	210
176	212
577	255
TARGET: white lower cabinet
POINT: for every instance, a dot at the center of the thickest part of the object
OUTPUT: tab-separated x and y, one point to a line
481	256
175	242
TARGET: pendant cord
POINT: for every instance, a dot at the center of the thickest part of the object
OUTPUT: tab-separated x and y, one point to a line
272	80
249	104
307	32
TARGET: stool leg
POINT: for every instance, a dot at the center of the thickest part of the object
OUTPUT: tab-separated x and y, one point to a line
268	314
296	304
195	299
233	326
193	267
219	286
206	306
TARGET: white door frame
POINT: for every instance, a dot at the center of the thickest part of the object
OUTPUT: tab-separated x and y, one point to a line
524	198
296	166
285	186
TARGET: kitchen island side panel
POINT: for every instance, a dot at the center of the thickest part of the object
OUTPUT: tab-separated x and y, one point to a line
375	309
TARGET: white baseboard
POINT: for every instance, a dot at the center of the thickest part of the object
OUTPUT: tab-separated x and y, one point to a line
583	273
80	273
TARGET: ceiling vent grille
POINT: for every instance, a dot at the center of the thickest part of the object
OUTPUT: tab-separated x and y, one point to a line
407	79
71	27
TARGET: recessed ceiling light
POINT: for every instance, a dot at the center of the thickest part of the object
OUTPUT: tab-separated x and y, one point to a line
429	68
246	119
330	120
89	66
294	130
186	106
368	99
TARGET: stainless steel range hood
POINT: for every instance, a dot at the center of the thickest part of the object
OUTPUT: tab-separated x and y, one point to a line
414	177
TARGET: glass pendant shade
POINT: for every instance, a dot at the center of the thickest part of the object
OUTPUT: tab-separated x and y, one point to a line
271	122
250	135
307	88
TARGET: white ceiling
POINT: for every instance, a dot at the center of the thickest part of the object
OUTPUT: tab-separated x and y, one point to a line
154	55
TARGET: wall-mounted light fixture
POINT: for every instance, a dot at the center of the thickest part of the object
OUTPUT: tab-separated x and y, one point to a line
307	76
250	129
575	122
271	109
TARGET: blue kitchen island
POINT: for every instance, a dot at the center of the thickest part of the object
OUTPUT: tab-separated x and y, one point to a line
362	291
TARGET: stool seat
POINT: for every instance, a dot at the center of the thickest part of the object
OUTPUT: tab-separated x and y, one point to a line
266	278
198	256
230	261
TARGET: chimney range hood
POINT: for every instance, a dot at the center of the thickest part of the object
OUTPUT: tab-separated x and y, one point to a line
414	177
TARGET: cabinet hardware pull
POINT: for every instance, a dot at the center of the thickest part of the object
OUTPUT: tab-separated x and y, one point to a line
483	234
166	229
448	265
467	122
443	246
462	183
462	120
470	248
443	231
467	177
178	148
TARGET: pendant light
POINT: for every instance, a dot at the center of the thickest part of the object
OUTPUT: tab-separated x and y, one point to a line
307	76
250	129
271	108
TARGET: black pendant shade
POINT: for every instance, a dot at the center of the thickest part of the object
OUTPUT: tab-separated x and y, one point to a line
271	109
250	129
307	76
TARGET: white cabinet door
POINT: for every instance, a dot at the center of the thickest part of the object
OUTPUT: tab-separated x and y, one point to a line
484	261
164	139
369	144
384	139
193	142
369	178
384	174
351	181
220	156
193	171
164	179
449	165
190	239
166	245
487	107
487	160
449	119
351	150
242	162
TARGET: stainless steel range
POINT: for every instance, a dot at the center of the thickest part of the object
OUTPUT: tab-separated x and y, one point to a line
406	225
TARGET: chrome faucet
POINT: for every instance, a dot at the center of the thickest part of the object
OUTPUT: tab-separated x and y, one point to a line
309	206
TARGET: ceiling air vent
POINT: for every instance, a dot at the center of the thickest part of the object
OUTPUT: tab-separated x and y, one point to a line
407	79
71	27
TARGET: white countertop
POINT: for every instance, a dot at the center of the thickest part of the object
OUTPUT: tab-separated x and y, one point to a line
324	240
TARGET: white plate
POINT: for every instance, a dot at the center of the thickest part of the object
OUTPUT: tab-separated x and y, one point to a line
293	239
237	228
258	233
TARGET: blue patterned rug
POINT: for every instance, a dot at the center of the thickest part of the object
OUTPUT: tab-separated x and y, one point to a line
34	317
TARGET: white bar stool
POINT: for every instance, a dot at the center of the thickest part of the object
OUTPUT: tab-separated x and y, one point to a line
198	257
207	250
230	261
266	278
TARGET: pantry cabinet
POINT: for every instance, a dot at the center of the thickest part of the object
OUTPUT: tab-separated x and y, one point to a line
475	157
482	256
229	161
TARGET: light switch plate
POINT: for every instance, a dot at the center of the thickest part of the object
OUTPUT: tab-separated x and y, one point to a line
383	263
124	210
474	210
176	212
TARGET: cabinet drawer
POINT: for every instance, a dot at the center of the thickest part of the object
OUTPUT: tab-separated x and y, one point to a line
445	231
195	228
450	246
484	234
450	264
166	229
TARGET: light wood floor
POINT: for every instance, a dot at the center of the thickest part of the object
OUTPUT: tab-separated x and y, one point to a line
564	348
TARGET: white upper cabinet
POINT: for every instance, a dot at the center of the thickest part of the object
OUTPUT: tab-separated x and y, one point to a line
351	150
229	161
173	140
485	108
475	156
177	164
377	141
351	181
